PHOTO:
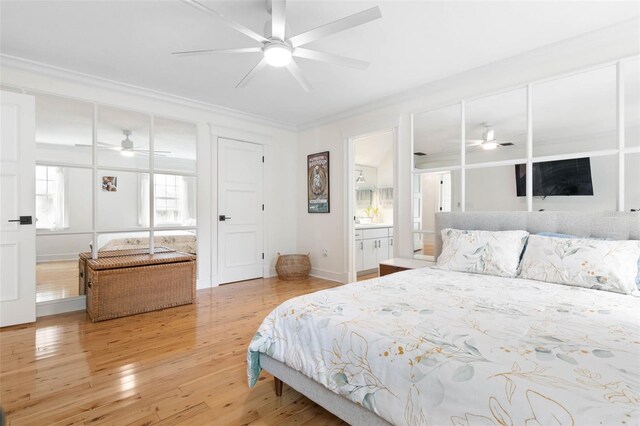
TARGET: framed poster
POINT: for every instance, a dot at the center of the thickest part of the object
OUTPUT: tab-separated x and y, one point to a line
318	183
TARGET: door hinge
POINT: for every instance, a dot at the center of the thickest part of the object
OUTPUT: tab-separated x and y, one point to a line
441	182
262	256
263	158
263	207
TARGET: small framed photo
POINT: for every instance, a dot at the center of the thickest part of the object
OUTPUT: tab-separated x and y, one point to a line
110	183
318	194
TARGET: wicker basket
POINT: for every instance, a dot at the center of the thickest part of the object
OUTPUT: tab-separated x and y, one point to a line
291	267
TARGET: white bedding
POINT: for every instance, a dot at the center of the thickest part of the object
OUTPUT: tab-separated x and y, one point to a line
438	347
184	241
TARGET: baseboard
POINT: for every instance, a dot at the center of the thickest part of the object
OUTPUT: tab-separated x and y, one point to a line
327	275
202	283
56	257
60	306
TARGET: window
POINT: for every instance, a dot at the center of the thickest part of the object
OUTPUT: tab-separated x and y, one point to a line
170	196
50	209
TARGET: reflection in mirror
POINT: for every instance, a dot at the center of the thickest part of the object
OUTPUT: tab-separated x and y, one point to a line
13	89
175	200
57	264
63	199
494	189
64	130
632	182
631	81
433	193
174	145
575	113
123	138
496	127
122	200
436	138
567	184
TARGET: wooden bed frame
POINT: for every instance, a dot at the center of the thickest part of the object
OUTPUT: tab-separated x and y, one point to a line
611	225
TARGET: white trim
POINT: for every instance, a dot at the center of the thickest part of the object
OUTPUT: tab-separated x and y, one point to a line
463	156
61	306
152	186
572	155
329	275
621	135
437	169
529	166
75	76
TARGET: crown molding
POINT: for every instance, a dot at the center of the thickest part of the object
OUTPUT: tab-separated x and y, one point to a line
79	77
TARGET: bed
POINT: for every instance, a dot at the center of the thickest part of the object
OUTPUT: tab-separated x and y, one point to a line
183	241
432	346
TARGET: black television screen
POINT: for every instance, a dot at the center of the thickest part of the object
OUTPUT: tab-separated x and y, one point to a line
561	177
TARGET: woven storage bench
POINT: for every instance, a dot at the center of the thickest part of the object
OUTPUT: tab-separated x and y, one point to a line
132	284
82	262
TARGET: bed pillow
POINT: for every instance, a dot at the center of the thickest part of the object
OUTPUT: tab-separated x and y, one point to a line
583	262
554	234
482	252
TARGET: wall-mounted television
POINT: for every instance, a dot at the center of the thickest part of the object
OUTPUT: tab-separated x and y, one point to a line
561	177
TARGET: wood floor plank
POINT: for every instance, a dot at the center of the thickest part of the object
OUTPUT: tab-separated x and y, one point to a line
179	366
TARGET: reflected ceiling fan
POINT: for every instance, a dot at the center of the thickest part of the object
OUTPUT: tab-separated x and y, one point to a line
488	140
278	49
126	148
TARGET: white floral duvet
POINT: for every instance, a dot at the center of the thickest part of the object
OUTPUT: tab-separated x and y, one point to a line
438	347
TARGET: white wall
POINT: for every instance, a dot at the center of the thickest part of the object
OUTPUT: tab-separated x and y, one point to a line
327	231
281	197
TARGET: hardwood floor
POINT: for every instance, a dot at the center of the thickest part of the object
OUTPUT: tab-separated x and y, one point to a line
179	366
56	280
367	277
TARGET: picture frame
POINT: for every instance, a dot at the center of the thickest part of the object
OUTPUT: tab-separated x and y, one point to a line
318	183
110	183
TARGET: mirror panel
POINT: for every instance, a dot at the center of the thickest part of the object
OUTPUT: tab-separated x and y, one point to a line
174	145
63	199
123	241
436	138
632	182
175	200
496	127
575	113
123	138
596	175
631	81
64	130
493	189
57	264
123	200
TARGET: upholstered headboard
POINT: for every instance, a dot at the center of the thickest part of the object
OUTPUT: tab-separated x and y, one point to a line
612	225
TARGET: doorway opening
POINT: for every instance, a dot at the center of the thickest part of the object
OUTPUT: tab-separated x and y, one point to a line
371	187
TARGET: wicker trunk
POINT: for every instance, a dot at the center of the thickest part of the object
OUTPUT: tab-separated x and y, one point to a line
132	284
83	277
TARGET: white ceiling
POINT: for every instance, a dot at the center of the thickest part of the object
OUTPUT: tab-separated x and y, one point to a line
414	43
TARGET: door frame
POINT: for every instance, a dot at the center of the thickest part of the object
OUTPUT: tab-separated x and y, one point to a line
264	140
349	195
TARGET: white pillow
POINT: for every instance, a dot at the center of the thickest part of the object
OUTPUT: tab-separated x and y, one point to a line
482	252
600	264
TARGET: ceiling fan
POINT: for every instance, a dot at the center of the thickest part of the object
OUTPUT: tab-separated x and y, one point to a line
126	148
488	140
278	49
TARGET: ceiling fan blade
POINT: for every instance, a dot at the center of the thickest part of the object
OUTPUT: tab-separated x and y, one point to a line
247	78
278	12
240	28
468	141
295	70
330	58
107	144
84	145
201	52
337	26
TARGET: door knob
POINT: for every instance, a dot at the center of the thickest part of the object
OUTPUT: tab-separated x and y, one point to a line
224	218
24	220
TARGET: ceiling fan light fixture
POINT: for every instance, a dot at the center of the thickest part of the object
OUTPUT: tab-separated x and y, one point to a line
277	55
127	153
487	145
360	179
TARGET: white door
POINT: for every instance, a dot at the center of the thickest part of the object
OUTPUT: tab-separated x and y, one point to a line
17	209
240	211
